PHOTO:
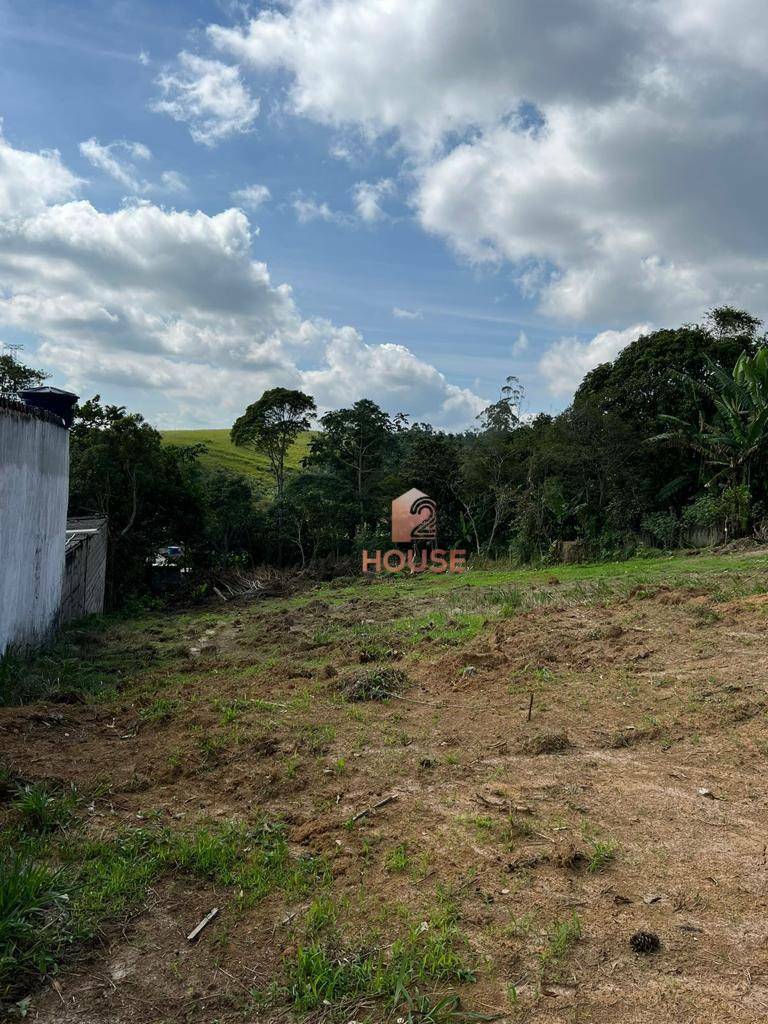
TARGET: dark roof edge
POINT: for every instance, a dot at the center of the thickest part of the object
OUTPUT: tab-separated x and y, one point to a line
22	409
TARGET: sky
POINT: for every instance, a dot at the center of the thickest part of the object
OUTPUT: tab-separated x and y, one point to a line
407	200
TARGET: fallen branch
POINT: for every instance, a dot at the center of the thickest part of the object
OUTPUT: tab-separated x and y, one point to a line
373	807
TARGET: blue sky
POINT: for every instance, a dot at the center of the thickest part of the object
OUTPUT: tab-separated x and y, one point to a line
516	184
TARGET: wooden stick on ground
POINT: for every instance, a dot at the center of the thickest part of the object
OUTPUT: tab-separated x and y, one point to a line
373	807
203	924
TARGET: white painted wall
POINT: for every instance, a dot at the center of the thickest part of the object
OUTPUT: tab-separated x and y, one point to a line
34	484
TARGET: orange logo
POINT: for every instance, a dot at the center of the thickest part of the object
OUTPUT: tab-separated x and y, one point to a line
414	517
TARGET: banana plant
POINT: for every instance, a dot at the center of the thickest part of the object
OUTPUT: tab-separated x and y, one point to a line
737	432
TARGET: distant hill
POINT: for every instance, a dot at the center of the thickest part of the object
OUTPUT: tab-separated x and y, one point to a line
222	454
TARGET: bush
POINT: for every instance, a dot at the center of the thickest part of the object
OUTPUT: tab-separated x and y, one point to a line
662	526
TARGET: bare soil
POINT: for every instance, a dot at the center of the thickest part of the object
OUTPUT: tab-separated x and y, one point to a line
647	730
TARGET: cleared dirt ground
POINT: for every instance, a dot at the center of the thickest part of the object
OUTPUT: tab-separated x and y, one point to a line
633	799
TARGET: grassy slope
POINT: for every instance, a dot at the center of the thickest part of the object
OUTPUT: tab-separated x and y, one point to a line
222	454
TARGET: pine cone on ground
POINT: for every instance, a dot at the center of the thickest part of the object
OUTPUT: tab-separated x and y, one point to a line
644	942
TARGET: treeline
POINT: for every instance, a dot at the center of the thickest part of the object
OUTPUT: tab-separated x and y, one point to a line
664	445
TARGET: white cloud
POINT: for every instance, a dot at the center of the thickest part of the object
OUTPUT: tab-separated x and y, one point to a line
407	314
28	181
397	379
251	197
609	152
470	68
116	160
368	196
308	209
565	363
173	304
209	96
143	58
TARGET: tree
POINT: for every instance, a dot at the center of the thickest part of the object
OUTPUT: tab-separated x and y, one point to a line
353	447
489	471
271	426
231	520
15	377
149	493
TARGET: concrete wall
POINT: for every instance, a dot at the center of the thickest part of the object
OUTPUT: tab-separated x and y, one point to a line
85	570
34	484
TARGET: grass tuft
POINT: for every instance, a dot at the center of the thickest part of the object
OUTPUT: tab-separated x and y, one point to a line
374	684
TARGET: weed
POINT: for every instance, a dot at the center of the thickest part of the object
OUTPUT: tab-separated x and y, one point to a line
33	911
560	938
42	810
398	859
321	915
601	853
160	710
316	739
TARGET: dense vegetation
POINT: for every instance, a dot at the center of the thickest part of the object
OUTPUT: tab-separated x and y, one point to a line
662	447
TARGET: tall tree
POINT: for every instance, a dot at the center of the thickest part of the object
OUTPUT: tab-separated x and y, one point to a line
353	446
271	426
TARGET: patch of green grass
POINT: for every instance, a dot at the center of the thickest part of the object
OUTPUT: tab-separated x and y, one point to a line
222	454
398	858
59	888
321	915
41	809
160	710
601	853
34	907
561	937
319	974
316	738
86	663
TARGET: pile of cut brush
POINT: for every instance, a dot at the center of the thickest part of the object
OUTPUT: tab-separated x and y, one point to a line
264	581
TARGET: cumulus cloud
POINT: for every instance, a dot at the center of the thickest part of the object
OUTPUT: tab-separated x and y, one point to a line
470	68
207	95
609	153
399	380
251	197
174	304
368	197
407	314
565	363
29	181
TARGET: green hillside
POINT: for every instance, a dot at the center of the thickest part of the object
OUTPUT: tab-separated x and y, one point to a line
222	454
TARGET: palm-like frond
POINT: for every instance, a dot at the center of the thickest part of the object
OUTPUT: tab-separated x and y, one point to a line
738	431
